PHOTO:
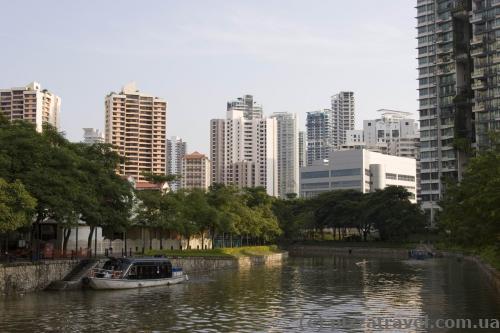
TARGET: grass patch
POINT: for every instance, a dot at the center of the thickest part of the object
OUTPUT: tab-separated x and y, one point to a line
491	255
234	252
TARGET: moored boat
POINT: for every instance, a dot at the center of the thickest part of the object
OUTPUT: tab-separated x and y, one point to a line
127	273
419	254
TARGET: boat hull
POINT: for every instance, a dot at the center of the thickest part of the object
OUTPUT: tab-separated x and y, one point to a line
107	283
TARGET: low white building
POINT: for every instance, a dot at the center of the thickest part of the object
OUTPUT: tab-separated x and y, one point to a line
133	241
358	169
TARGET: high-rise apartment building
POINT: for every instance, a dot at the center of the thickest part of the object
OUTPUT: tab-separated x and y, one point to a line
391	126
244	150
176	149
32	104
246	104
91	136
459	101
217	144
302	148
320	140
288	153
327	129
136	127
195	171
342	116
485	53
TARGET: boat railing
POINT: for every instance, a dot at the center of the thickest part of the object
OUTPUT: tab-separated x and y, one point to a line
108	273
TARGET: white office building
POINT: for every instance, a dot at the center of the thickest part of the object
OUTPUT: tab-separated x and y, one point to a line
244	151
288	153
358	169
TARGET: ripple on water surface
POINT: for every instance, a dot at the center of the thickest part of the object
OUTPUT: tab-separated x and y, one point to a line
301	295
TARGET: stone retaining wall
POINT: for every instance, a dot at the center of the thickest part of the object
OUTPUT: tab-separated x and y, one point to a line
18	278
206	264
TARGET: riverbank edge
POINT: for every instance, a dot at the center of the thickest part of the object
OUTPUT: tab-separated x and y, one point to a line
491	273
20	278
354	251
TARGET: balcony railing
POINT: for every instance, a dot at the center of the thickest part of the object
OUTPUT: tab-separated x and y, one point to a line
478	85
477	40
478	73
478	51
478	107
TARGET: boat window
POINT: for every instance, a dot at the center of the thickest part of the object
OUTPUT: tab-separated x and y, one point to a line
150	270
114	265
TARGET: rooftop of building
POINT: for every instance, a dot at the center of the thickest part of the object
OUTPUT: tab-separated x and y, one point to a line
194	155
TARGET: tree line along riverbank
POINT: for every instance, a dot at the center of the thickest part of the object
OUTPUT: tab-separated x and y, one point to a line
44	177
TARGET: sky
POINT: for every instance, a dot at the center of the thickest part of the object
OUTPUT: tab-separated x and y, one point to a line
291	55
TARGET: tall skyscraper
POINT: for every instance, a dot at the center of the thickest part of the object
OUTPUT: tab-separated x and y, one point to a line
195	171
243	149
288	153
217	149
136	127
485	53
31	103
320	141
302	148
176	149
91	136
342	116
246	104
459	101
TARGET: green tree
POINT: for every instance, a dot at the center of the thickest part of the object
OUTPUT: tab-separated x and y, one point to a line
106	198
46	164
470	210
16	206
392	213
200	211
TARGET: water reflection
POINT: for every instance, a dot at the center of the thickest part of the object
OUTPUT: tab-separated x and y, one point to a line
272	298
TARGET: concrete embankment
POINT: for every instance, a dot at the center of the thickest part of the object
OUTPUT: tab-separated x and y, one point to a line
18	278
491	274
312	250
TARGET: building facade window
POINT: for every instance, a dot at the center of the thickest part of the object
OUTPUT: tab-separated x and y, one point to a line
346	172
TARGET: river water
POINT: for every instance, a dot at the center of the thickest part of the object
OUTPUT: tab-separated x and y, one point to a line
321	294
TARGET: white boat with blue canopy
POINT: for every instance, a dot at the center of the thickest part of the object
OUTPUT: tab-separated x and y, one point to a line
127	273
